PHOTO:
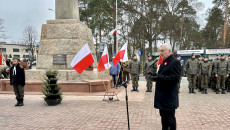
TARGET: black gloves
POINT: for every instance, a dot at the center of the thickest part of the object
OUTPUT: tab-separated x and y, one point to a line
153	77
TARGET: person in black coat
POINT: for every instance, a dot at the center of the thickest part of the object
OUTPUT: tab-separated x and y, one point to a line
17	79
166	91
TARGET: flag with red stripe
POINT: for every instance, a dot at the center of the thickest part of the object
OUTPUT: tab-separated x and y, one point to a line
122	55
104	61
83	59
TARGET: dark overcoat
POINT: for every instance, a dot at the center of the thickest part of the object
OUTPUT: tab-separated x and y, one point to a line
166	91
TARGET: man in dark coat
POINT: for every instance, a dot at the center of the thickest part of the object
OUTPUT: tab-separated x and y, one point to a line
166	91
17	79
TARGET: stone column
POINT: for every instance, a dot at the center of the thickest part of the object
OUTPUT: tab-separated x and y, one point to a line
67	9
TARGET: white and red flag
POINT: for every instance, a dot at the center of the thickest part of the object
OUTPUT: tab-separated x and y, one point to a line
114	32
122	55
83	59
104	61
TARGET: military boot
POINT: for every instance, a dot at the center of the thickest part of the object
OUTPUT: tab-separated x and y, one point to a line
190	90
193	91
217	91
223	91
203	91
228	89
137	89
133	89
21	102
206	91
17	104
150	90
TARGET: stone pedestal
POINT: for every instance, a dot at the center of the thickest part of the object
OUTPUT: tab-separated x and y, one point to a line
64	37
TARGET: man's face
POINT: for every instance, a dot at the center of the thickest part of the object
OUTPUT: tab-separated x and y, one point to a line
15	61
178	58
219	57
135	57
193	56
164	52
222	57
150	57
205	59
229	57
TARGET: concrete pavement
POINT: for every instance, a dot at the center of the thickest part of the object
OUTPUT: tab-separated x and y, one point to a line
196	111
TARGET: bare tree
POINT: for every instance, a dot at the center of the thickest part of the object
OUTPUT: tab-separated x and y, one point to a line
2	30
30	36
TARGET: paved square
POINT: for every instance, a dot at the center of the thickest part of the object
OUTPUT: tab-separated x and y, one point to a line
196	111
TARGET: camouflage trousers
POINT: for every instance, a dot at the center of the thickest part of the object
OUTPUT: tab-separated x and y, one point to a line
125	76
135	81
149	84
221	81
198	82
213	81
179	82
192	80
204	81
227	83
19	91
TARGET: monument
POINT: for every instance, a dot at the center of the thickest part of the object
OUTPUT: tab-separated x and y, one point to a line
61	39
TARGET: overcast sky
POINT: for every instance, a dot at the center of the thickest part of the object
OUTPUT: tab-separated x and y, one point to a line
20	13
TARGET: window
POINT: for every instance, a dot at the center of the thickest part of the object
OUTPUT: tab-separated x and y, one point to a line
15	50
3	49
27	50
27	56
17	56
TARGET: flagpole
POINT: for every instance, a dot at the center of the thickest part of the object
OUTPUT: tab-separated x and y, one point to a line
116	30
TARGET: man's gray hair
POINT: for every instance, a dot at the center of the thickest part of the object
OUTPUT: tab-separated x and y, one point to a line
167	45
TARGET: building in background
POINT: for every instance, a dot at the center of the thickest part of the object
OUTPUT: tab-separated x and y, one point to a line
15	50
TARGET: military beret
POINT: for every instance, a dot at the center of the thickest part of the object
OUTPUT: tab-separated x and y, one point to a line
205	56
134	55
222	54
192	54
228	54
150	55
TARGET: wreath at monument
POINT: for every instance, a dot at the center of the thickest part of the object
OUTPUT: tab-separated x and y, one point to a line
51	89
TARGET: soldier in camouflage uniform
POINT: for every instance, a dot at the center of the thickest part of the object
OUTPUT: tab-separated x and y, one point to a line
125	66
182	70
205	72
148	72
210	76
214	79
4	70
192	67
198	81
221	73
228	79
135	68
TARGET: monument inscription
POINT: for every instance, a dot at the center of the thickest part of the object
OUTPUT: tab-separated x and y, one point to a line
59	59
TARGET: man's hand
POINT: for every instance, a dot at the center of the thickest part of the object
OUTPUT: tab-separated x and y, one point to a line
216	75
198	75
153	77
227	75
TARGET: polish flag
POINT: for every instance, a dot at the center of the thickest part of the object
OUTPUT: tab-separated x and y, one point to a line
83	59
122	55
104	62
160	61
114	32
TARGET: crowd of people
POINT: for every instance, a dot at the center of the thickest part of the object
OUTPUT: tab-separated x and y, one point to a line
204	73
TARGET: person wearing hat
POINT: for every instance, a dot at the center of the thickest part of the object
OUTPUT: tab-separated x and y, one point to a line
114	70
214	79
151	70
5	70
198	81
182	70
17	79
205	73
192	67
221	73
227	83
125	66
135	68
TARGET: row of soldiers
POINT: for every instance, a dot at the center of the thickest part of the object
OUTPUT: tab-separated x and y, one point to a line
203	73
